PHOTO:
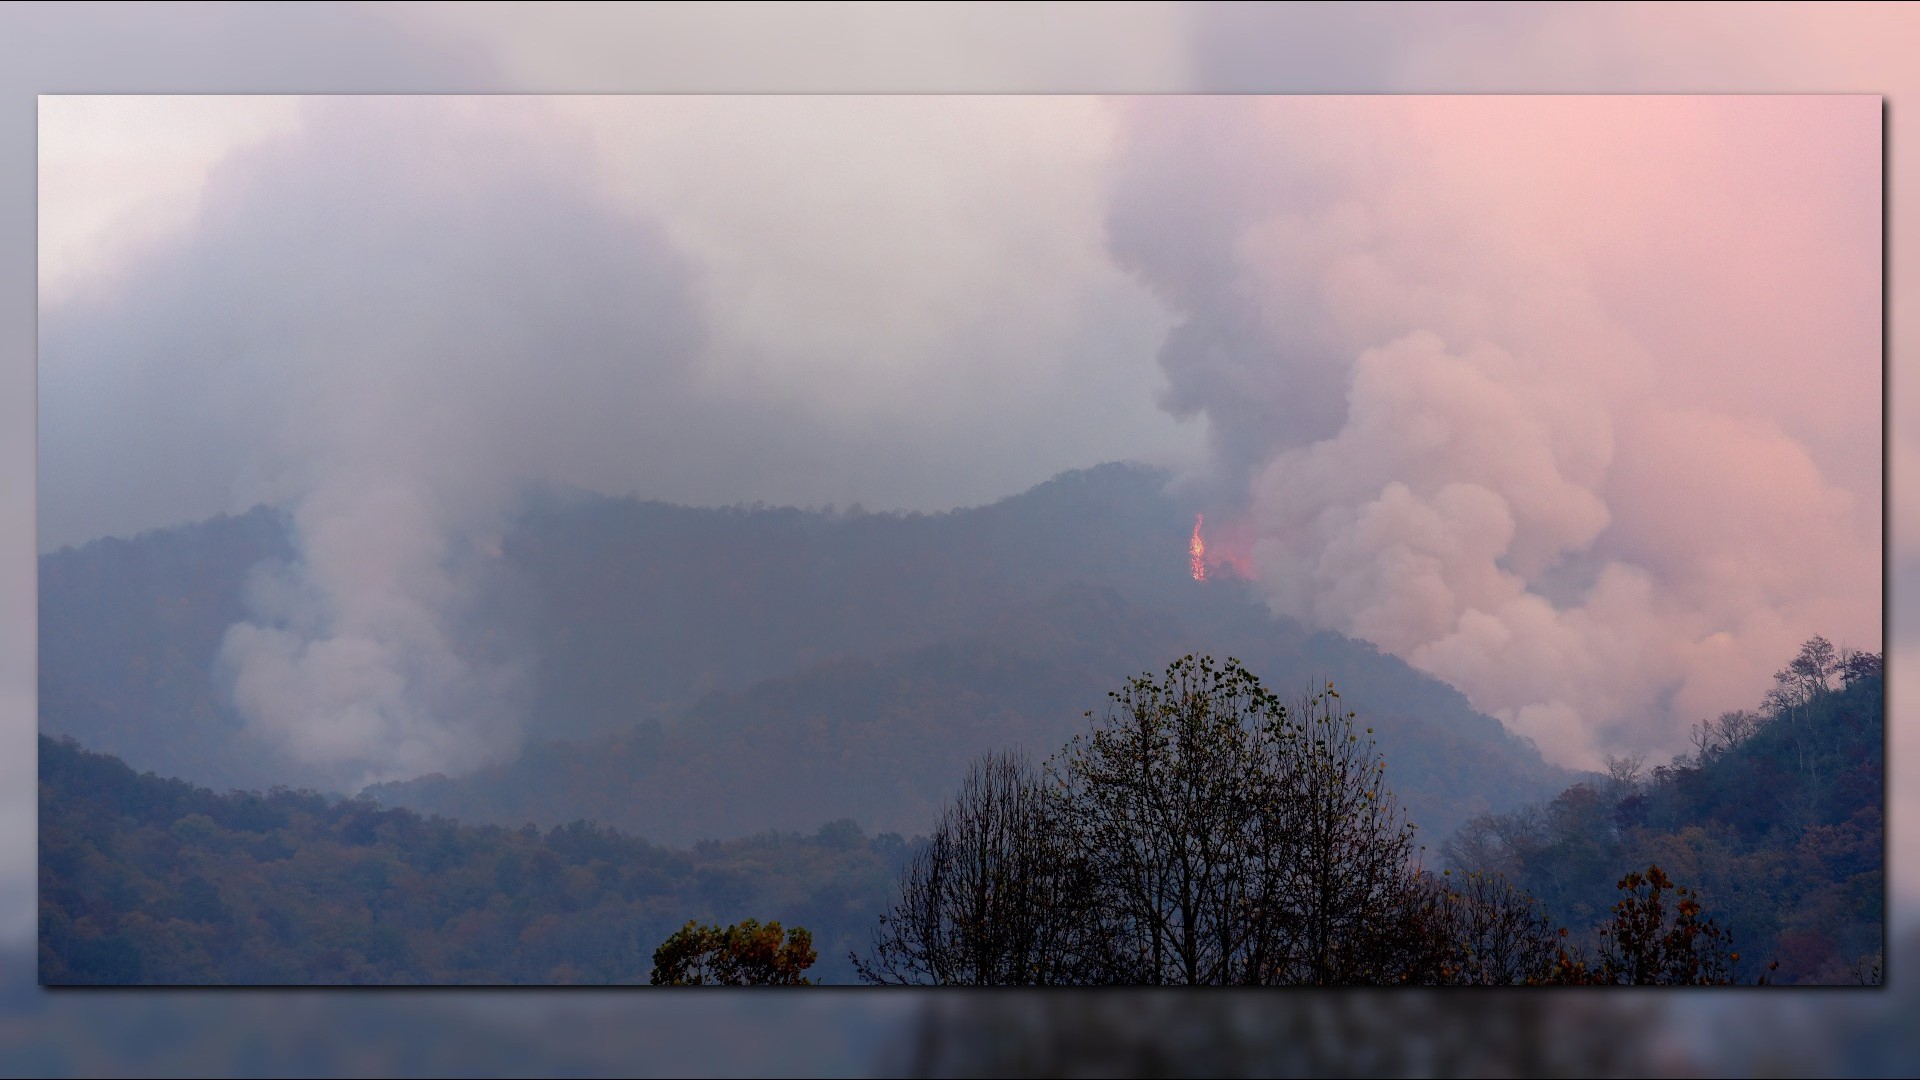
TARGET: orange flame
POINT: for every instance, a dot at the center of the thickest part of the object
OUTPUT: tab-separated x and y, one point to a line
1197	551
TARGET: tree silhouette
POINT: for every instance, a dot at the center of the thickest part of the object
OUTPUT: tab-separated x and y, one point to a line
1199	833
1644	945
1479	929
993	899
1179	804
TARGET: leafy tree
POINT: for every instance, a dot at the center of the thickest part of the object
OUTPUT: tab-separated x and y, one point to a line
1645	945
1778	813
744	954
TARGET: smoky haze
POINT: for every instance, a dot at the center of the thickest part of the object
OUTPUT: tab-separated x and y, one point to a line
1572	402
384	323
1515	388
393	315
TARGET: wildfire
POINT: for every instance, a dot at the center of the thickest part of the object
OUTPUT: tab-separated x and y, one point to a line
1197	551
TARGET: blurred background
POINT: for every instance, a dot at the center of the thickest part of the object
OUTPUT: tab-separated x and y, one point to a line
1049	48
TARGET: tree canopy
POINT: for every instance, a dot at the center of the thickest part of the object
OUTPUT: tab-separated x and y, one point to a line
1199	832
1775	815
744	954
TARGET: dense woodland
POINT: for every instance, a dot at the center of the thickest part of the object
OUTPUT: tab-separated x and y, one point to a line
149	880
1775	816
884	740
634	609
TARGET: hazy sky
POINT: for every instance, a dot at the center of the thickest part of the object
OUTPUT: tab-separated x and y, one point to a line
1668	309
903	302
1571	401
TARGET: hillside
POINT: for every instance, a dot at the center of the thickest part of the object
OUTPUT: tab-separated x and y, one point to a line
128	634
884	741
1777	818
704	673
630	609
645	607
155	881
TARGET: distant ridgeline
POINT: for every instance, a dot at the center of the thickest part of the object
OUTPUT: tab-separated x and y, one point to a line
153	881
1775	817
708	673
128	634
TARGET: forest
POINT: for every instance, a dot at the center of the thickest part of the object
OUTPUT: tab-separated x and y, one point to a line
1776	815
1199	831
155	881
756	713
1203	832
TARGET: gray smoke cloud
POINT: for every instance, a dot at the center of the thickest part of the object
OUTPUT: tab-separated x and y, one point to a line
47	49
1442	368
1450	426
391	316
387	321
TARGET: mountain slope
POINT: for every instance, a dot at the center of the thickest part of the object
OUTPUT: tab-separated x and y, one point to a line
146	880
128	634
649	606
1778	821
884	741
712	672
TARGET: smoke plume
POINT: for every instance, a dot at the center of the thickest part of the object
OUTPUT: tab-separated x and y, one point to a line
391	313
386	322
1572	402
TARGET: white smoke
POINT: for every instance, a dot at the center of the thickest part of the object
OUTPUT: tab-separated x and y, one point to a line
349	662
1458	440
393	312
386	321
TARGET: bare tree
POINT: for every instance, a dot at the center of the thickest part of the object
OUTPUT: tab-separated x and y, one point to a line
1807	675
1349	870
1624	771
1497	843
1856	666
1199	833
993	898
1736	727
1485	932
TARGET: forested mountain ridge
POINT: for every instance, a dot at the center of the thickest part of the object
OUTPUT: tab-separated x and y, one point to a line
155	881
128	634
883	741
719	672
653	605
628	608
1776	818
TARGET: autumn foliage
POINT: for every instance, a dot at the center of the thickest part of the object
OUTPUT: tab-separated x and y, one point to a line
744	954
